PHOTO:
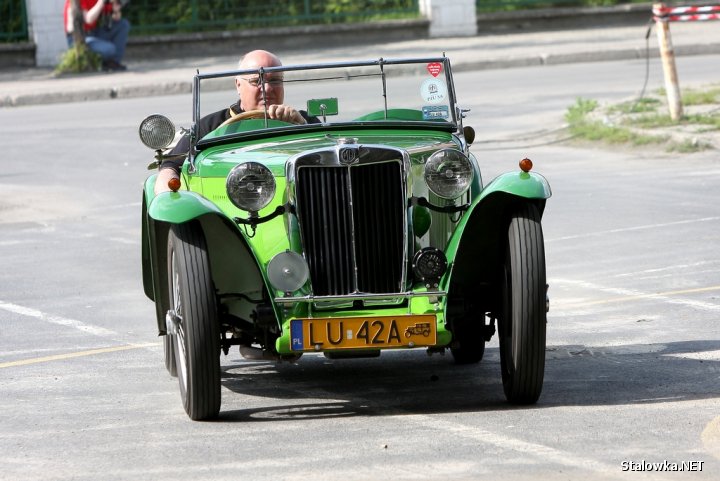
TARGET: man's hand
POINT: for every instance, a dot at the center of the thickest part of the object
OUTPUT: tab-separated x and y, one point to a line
285	113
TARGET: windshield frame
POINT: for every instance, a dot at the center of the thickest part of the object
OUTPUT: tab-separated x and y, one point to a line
454	122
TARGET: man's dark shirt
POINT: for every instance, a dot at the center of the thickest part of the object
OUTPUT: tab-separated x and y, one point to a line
206	125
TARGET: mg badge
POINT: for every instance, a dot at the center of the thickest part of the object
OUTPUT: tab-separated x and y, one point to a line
348	156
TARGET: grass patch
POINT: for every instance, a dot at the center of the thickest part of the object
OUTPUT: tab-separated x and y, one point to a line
659	121
688	146
701	97
709	95
645	104
582	126
77	59
639	123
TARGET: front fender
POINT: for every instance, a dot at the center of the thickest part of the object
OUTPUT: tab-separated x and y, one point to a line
234	265
477	246
528	185
181	206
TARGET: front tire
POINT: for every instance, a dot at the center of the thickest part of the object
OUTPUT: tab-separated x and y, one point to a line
522	320
197	341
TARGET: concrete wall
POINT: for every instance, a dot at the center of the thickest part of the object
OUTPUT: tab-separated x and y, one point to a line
45	19
450	18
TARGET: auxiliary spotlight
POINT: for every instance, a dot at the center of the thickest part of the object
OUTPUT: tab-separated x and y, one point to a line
288	271
429	264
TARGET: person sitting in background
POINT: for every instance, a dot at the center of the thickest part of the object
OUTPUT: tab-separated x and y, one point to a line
106	32
250	98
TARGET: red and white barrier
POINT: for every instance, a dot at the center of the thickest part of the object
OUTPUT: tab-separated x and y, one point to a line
686	14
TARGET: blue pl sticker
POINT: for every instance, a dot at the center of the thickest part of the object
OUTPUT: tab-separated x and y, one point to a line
296	335
433	112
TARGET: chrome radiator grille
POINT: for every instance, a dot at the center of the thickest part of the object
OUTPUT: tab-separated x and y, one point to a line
352	225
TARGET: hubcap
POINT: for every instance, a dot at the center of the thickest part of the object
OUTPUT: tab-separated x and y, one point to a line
177	320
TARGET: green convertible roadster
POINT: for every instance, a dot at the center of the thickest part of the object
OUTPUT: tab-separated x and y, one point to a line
368	230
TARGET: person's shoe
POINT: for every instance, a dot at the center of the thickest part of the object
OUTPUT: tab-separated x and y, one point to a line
113	66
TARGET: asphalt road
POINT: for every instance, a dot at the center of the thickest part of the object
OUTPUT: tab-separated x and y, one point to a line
633	359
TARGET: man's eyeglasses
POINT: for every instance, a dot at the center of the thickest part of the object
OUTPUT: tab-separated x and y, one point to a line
255	81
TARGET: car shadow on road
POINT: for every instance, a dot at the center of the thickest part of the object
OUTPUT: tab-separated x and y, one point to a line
409	382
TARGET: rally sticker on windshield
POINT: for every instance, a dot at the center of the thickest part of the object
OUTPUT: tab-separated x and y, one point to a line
434	112
433	91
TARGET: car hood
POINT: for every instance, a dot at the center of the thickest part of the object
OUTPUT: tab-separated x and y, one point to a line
218	160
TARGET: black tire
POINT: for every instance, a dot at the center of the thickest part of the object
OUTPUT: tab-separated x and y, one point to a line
169	350
197	341
522	319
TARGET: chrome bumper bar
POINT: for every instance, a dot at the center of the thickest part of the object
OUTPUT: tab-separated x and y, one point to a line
359	297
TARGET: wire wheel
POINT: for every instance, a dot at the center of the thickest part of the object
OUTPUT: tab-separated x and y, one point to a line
197	338
169	354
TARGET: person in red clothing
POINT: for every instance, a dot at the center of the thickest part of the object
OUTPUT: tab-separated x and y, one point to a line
106	32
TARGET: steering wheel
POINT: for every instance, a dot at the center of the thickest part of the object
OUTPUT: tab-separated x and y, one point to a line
250	114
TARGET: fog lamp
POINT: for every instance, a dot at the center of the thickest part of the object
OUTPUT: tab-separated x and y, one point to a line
448	173
429	264
156	131
288	271
250	186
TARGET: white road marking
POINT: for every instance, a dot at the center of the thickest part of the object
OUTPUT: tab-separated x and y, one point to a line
16	242
124	241
632	294
71	355
711	437
630	229
667	268
701	356
61	321
541	451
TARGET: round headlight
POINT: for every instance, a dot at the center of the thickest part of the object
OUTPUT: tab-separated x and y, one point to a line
448	173
157	131
288	271
250	186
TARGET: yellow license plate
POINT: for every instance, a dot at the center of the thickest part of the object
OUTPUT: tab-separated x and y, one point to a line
362	332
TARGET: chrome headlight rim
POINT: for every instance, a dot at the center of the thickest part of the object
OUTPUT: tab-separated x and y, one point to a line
156	131
250	186
448	173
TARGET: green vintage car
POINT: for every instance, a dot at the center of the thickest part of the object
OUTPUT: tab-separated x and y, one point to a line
370	230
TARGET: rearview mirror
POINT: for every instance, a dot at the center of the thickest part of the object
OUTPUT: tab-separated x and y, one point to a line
322	107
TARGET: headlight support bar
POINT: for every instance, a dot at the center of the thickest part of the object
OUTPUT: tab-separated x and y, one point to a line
450	209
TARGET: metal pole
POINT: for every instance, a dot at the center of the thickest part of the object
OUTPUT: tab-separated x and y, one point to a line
194	12
672	86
